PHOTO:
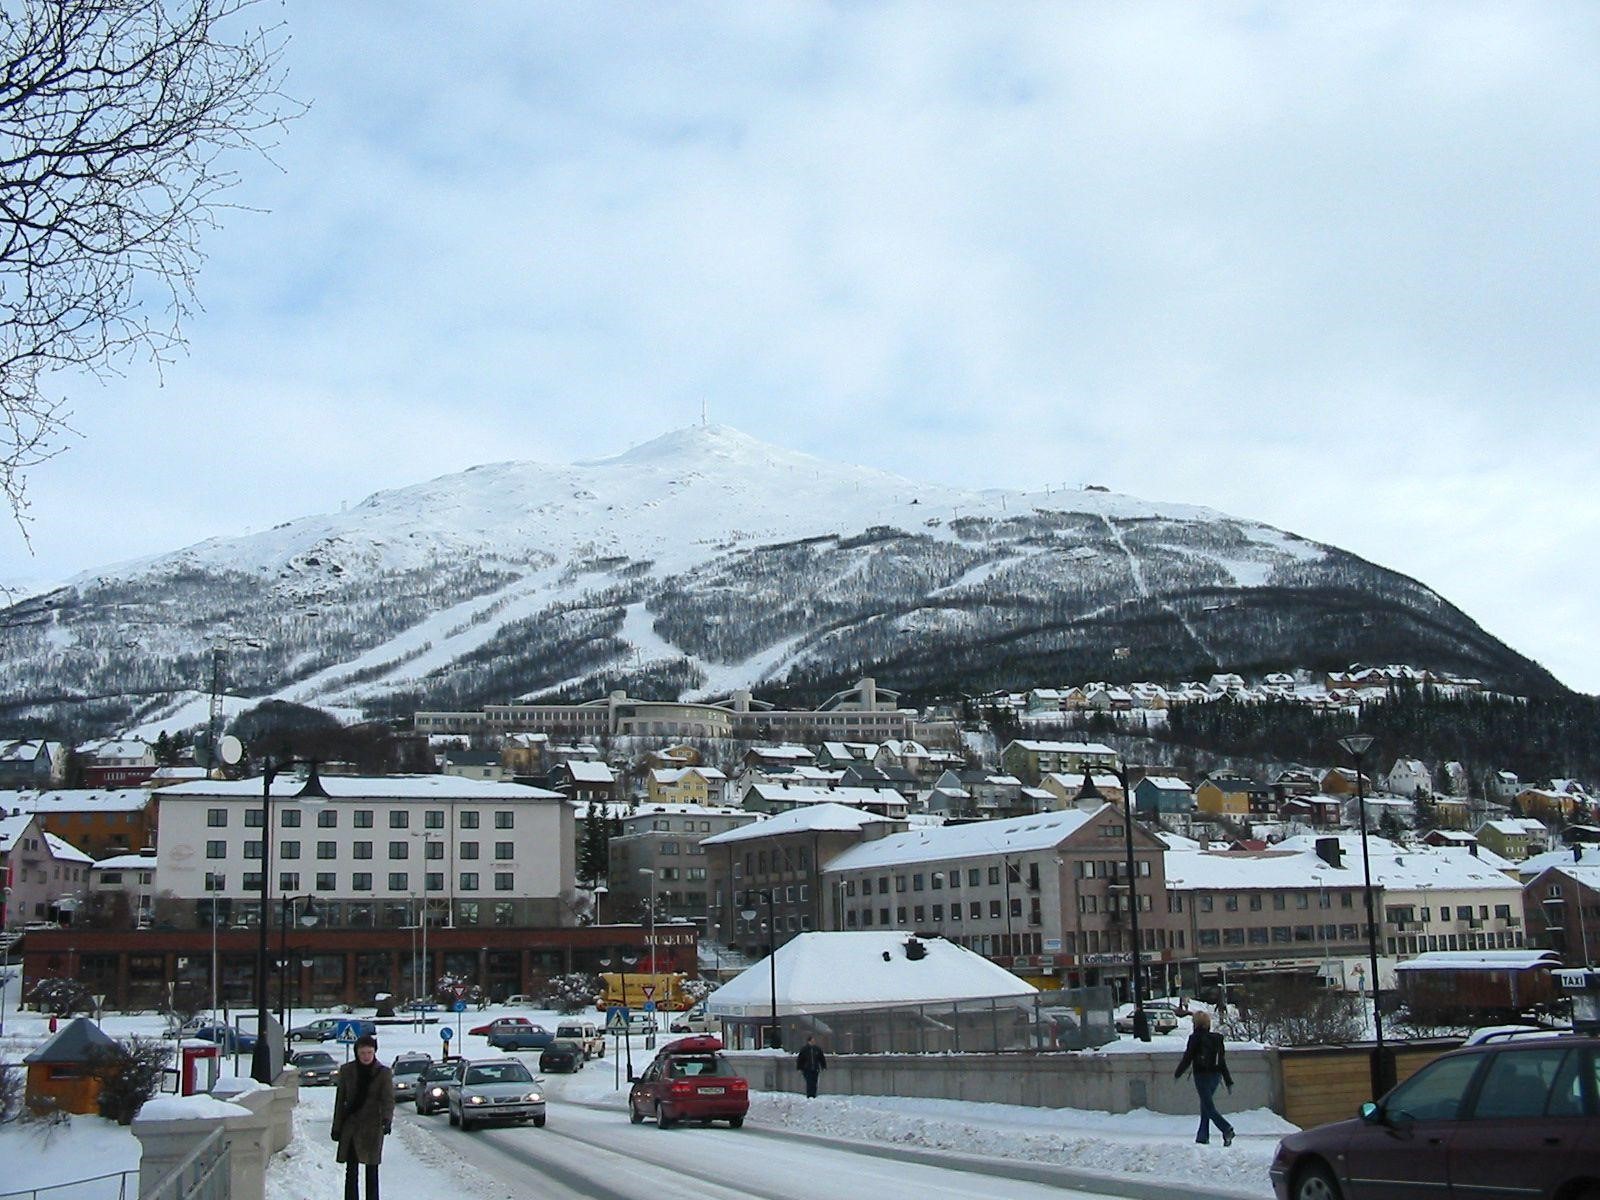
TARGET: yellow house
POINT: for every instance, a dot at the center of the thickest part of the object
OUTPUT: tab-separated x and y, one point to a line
686	785
1224	796
1540	803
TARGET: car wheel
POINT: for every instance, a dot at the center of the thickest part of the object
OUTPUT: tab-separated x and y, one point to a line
634	1115
538	1122
467	1126
662	1120
1316	1182
454	1120
735	1122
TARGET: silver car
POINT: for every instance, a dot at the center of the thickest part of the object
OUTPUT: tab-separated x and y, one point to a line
496	1089
316	1067
406	1070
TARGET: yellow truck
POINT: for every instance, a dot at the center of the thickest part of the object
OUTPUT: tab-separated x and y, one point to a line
666	989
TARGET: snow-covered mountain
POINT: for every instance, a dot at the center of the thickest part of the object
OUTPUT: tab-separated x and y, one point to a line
706	560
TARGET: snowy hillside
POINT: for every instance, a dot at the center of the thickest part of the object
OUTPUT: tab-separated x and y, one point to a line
706	560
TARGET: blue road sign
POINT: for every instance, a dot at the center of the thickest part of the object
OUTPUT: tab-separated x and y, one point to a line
616	1019
650	1006
459	1006
347	1031
444	1033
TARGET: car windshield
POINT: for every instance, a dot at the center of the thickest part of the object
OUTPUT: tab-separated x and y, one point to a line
316	1058
698	1064
438	1071
569	1031
508	1072
414	1067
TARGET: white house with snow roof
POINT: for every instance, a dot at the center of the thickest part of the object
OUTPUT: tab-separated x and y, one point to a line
878	991
47	878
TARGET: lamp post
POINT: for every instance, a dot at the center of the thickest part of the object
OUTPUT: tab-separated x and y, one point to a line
5	950
312	793
1356	745
307	919
749	913
625	960
1088	794
655	970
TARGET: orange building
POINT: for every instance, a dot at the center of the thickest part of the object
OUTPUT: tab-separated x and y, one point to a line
61	1073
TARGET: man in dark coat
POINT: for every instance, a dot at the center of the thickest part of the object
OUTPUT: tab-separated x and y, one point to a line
1207	1055
812	1063
363	1112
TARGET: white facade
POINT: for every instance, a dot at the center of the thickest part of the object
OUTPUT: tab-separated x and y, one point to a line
485	853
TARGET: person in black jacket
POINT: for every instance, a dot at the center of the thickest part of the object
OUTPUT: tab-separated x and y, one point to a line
363	1114
1206	1054
812	1063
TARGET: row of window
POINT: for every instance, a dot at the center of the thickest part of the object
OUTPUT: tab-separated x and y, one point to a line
362	818
328	851
671	848
1278	935
1404	913
1256	901
1498	940
919	913
361	881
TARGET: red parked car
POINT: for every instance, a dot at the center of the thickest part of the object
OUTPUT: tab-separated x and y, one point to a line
500	1023
690	1080
1509	1118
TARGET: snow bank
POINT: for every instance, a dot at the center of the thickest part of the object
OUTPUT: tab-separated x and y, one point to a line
189	1108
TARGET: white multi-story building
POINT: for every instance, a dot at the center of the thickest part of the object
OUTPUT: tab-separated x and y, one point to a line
375	852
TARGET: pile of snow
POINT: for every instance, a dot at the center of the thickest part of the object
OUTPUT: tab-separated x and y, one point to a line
189	1108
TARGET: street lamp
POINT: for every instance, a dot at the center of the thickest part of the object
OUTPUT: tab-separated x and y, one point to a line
625	960
1087	794
311	794
307	919
749	913
1356	745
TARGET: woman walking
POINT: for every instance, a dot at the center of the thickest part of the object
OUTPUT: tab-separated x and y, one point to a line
1207	1055
363	1112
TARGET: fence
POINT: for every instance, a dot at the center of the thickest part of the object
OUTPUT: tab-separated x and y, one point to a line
113	1186
205	1174
1069	1019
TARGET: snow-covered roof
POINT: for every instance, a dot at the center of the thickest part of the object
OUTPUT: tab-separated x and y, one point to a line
1509	827
978	839
1166	783
76	800
813	818
1586	871
1534	864
363	787
12	828
671	775
786	752
1404	868
125	748
585	771
839	972
782	793
1104	781
1066	747
1480	960
127	862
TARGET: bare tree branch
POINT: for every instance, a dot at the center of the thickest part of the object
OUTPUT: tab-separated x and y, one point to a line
116	118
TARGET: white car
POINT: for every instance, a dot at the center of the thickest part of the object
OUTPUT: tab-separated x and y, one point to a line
587	1034
695	1020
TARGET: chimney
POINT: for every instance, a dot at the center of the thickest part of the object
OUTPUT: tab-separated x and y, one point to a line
1330	852
1577	851
1472	849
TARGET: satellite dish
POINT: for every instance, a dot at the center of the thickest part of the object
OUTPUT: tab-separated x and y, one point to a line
230	749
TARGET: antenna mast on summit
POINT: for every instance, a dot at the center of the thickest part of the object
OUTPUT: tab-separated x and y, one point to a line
704	420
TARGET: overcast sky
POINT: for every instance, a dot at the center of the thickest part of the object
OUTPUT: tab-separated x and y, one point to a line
1332	267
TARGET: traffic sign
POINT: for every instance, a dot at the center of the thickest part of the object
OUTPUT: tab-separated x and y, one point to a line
650	1006
444	1033
459	1006
347	1031
459	991
616	1019
649	991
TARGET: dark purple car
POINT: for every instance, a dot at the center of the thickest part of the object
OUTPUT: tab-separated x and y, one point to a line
1503	1119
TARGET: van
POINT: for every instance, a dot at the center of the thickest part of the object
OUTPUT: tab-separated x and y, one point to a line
521	1001
586	1034
695	1020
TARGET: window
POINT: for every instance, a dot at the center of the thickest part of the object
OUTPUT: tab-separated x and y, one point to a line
994	876
217	818
468	851
504	850
955	879
1302	900
433	819
469	819
469	881
973	876
434	851
899	883
361	850
252	818
252	881
505	820
399	850
399	818
1435	1092
1207	937
361	881
975	910
1016	906
252	849
399	881
1279	901
326	850
669	847
937	880
938	910
363	818
1282	934
916	884
1230	902
326	882
216	883
900	914
328	818
291	818
289	881
1206	903
434	881
288	849
955	912
1255	901
217	849
502	881
994	908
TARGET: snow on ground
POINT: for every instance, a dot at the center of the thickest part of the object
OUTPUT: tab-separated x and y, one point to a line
1143	1145
39	1154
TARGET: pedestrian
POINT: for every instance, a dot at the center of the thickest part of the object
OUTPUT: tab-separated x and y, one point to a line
1207	1055
812	1063
363	1114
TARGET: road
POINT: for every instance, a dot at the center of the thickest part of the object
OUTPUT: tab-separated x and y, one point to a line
596	1154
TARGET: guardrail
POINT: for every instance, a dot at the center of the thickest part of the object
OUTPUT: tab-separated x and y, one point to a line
95	1187
204	1175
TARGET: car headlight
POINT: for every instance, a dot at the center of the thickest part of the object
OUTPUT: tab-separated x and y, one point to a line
438	1091
475	1100
535	1097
